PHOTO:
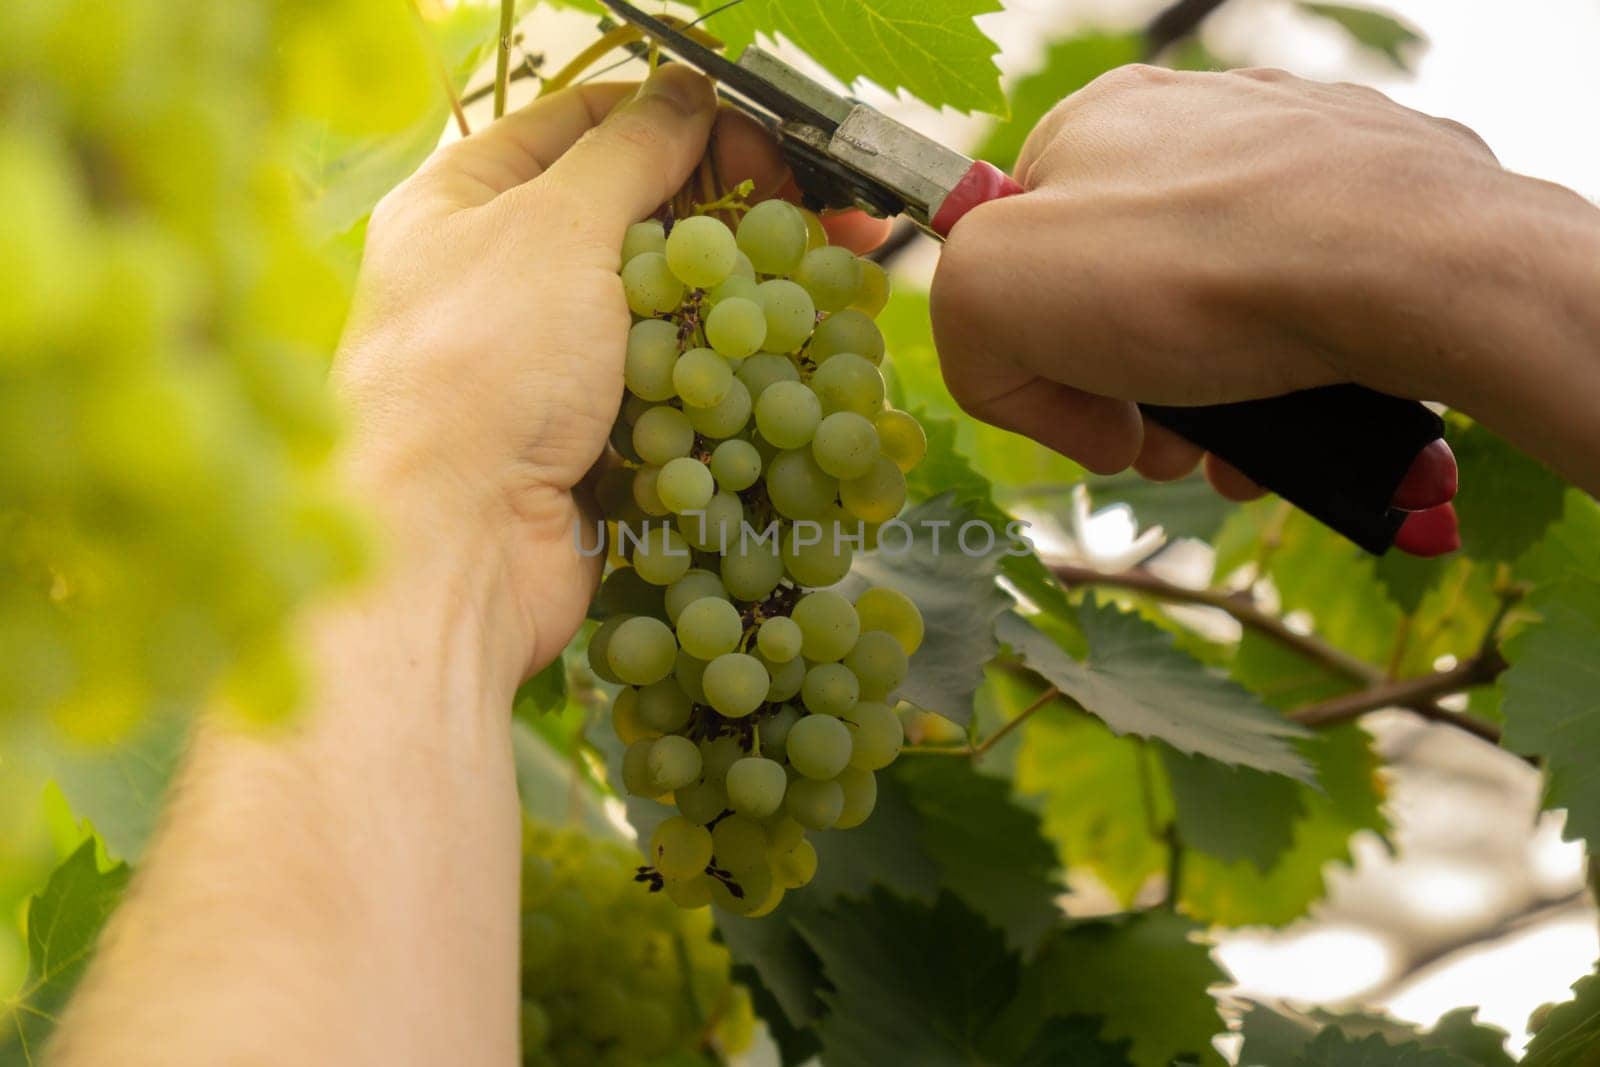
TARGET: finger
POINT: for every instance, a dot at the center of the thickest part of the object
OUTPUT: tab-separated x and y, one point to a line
746	151
1230	482
634	161
1166	457
856	230
1100	433
518	147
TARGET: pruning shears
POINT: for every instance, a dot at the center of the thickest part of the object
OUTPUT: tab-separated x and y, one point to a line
1340	453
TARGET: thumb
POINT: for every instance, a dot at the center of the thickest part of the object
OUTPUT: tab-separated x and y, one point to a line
634	161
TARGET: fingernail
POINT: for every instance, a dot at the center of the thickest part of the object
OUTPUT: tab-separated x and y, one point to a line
679	86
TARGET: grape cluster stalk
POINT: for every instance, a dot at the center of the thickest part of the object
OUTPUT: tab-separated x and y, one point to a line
758	456
609	980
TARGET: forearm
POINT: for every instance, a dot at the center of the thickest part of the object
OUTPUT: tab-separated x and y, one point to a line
1522	347
291	908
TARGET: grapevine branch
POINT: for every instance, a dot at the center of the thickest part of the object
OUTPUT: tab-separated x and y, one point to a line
1176	22
1419	695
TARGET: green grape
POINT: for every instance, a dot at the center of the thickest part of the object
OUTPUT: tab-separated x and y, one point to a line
625	593
645	494
873	295
814	804
652	352
742	267
783	833
755	786
663	706
831	275
751	569
641	651
891	611
846	331
689	893
736	684
828	625
646	236
787	414
535	1026
773	234
662	433
692	586
661	556
636	777
848	383
796	867
634	406
787	678
879	663
819	746
701	251
599	646
791	315
717	755
710	627
830	689
860	789
701	801
621	439
716	525
614	493
878	735
797	487
764	368
736	465
755	892
901	437
814	557
647	1027
878	495
689	673
650	286
779	639
743	286
679	848
816	233
674	762
685	484
725	418
626	720
845	444
738	842
736	327
702	378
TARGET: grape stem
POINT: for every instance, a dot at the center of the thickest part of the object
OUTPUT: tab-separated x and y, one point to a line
443	73
502	55
978	749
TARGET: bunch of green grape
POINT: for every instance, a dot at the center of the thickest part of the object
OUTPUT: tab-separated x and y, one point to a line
165	333
613	976
758	456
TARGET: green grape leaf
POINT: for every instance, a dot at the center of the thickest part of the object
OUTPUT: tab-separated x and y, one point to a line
901	996
1507	499
796	1044
64	922
956	592
1138	682
1408	578
544	692
1188	507
991	853
1273	1037
1095	793
1549	699
1069	65
1382	33
1570	1036
1330	1048
1568	547
1349	800
930	48
1231	813
1075	1040
1144	974
344	177
545	782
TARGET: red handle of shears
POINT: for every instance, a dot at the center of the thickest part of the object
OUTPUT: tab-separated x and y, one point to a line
982	183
